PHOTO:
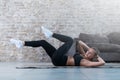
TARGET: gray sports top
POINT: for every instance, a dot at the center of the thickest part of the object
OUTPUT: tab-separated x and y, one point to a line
72	50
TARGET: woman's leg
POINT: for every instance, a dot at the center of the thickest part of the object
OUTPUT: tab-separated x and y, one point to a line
48	47
42	43
59	58
62	38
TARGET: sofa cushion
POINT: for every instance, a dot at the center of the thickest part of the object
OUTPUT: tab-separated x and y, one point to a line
114	37
105	47
93	38
110	56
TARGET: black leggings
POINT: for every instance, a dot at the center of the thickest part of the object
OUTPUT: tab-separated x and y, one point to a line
57	56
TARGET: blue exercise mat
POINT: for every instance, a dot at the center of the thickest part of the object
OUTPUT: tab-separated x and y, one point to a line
54	67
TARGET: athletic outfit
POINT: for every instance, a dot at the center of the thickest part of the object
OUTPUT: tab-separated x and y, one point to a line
58	56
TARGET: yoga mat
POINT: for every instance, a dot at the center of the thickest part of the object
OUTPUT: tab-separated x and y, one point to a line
56	67
50	66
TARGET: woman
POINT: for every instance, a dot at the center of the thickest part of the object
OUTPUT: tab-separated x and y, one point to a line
58	56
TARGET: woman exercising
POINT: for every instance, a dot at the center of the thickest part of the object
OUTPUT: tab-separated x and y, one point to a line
58	56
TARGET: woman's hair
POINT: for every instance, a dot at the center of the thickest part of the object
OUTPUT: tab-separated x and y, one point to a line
96	53
96	50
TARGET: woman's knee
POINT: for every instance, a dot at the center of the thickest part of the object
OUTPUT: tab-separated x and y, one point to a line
70	40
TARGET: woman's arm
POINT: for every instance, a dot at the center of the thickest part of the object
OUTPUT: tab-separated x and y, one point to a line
87	63
82	47
82	44
80	50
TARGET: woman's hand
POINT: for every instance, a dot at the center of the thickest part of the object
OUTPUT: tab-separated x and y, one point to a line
84	45
100	59
87	63
81	47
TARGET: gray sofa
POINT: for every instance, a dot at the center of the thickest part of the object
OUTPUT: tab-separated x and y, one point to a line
108	45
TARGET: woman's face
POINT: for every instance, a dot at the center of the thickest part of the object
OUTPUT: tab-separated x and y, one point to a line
90	54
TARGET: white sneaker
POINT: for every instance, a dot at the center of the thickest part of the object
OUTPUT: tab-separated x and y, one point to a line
18	43
47	32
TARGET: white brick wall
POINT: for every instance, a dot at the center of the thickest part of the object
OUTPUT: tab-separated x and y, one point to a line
22	19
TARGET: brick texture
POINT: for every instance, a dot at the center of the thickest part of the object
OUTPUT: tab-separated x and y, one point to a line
22	19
